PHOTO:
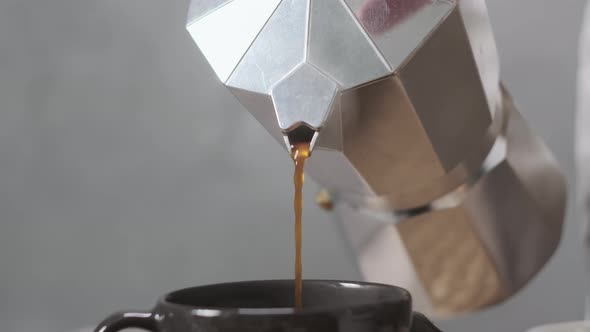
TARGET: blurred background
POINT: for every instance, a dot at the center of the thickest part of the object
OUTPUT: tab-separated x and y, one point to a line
127	171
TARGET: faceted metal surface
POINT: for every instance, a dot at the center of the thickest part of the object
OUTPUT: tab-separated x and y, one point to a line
224	35
398	27
302	93
353	43
340	47
456	113
254	52
278	49
417	134
480	251
410	149
331	137
475	18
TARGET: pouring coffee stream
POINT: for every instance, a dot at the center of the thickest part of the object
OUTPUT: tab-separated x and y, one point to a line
300	145
300	152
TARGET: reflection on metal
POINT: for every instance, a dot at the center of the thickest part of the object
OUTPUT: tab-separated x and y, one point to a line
414	129
451	261
278	49
302	93
340	47
479	250
397	27
224	34
324	200
498	233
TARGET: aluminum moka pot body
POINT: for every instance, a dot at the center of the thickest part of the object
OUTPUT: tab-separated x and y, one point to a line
438	183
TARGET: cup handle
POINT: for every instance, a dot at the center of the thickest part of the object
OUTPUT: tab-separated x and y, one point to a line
128	319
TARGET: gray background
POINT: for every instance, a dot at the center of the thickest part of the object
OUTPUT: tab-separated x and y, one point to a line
127	171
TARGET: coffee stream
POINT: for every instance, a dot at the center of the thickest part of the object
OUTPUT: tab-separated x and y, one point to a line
299	152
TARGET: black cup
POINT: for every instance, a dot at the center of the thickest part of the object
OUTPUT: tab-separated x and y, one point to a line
267	306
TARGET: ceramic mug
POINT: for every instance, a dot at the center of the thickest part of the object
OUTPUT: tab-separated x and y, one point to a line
267	306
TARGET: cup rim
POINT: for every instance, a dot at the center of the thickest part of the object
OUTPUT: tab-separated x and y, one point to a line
396	296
